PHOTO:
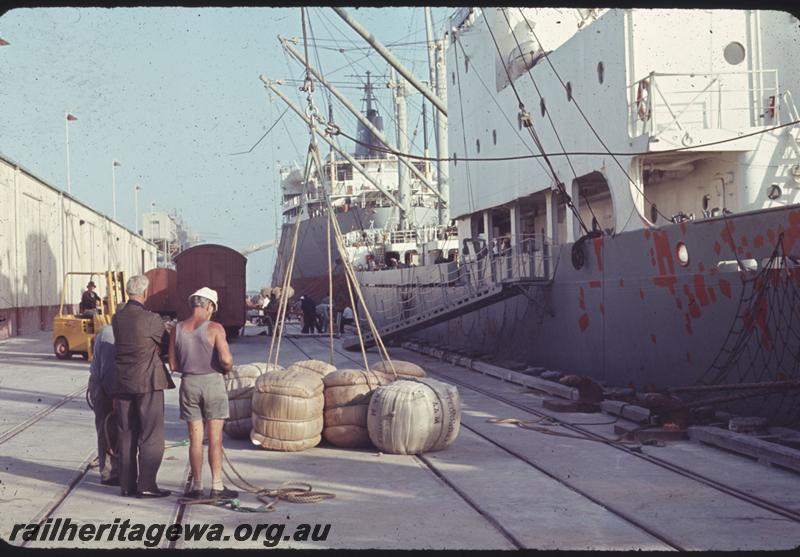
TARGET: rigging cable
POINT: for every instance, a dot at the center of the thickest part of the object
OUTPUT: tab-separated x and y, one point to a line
591	127
549	117
464	137
527	122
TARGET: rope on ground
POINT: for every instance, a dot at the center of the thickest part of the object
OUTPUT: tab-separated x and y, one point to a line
538	425
290	491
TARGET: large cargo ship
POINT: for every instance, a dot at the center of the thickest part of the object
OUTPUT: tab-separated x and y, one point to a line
628	182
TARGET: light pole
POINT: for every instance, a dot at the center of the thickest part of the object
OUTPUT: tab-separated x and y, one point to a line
114	164
67	119
136	190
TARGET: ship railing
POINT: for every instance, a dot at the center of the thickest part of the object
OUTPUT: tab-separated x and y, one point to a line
661	102
509	261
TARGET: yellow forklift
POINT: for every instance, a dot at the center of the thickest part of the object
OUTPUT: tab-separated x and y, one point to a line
74	333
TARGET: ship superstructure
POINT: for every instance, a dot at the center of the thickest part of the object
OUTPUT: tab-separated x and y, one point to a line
625	187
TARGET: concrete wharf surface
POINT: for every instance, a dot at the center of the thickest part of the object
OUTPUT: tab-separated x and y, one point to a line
497	487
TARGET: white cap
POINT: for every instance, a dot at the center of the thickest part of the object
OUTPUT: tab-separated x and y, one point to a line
207	293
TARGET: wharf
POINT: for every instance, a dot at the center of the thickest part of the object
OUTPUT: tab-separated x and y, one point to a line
498	486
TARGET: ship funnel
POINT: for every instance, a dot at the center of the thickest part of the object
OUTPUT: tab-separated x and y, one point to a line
369	146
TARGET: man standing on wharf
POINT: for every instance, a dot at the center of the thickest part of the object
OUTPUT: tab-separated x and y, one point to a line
140	404
198	349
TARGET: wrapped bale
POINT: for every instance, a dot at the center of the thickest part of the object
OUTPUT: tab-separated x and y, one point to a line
414	416
402	368
347	395
317	366
239	383
287	410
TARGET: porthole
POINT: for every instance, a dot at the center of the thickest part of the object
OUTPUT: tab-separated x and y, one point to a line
734	53
600	72
455	159
542	106
466	65
706	199
569	91
682	253
494	137
653	213
774	192
478	145
453	77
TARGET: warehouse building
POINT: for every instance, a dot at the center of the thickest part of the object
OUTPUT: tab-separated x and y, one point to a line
44	232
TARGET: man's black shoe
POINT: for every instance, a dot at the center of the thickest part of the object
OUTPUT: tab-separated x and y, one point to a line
194	494
153	494
110	481
224	493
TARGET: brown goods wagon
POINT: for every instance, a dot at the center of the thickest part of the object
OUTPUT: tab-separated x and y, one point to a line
220	268
162	293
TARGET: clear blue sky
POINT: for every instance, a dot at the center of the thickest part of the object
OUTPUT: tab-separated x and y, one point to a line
171	93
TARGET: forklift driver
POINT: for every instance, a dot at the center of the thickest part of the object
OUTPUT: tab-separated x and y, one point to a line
90	301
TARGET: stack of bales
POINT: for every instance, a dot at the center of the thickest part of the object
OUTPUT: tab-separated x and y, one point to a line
347	396
317	366
287	408
239	384
414	416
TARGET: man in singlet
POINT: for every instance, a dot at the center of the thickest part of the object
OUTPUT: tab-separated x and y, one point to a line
199	351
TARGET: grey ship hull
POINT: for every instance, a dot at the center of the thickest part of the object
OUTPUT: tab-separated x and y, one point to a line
633	315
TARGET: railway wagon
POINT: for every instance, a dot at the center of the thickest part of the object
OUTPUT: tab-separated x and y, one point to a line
162	293
220	268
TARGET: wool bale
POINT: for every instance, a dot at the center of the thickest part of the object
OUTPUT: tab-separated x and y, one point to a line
402	368
240	380
287	430
272	406
347	394
317	366
347	436
347	415
414	416
287	410
282	444
239	384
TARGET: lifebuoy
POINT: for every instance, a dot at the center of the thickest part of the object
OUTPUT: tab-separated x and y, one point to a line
642	100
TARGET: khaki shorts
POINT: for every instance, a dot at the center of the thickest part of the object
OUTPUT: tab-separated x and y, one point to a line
203	397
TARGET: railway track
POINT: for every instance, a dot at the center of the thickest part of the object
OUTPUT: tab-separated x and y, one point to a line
426	463
22	426
755	500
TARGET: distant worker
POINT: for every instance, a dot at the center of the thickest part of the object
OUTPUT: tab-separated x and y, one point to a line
199	351
348	317
309	309
322	315
138	335
271	312
102	384
90	301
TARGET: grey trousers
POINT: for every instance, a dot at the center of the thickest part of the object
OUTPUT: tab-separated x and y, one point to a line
140	423
103	404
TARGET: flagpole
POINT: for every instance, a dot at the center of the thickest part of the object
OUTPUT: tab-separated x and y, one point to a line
66	129
114	165
136	205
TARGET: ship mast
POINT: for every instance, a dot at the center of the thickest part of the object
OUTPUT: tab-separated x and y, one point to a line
403	188
438	100
365	121
438	78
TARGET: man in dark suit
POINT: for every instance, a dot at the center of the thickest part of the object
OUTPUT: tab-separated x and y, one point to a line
142	378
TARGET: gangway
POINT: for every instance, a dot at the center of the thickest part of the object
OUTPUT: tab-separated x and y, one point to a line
485	280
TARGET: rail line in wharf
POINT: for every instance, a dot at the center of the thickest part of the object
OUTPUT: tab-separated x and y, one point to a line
619	513
755	500
56	503
22	426
427	464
